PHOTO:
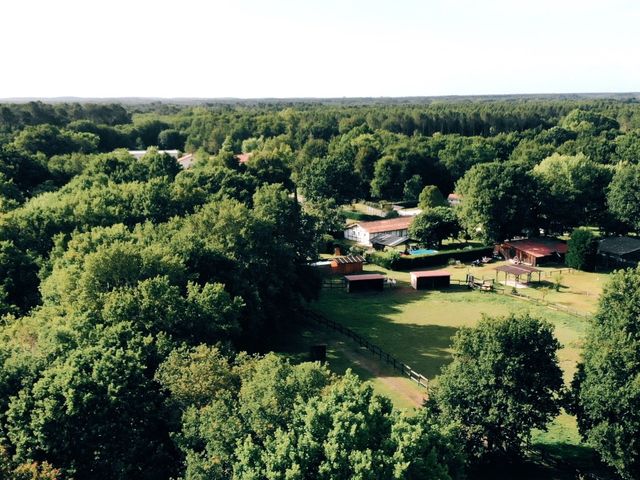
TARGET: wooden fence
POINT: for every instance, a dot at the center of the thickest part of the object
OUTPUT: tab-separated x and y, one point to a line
333	282
376	351
553	306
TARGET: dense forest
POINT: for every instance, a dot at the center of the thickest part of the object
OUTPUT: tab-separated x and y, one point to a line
139	300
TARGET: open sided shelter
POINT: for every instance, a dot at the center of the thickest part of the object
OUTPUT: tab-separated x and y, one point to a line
430	279
518	271
365	282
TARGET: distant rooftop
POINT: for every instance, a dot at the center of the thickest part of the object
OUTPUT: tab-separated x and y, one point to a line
138	154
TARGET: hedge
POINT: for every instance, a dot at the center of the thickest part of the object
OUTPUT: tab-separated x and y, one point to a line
359	216
410	262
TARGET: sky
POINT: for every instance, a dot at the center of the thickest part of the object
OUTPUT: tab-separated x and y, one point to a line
319	48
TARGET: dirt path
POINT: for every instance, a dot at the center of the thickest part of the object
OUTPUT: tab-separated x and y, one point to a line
402	386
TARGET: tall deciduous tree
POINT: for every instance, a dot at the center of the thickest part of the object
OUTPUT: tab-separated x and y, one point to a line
434	225
581	253
329	177
500	200
431	197
575	190
624	195
607	384
503	382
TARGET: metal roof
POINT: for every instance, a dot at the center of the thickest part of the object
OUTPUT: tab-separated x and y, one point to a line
348	259
387	225
389	239
431	273
366	276
516	269
619	245
539	247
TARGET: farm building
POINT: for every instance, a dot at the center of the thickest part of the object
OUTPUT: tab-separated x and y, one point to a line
454	199
366	282
521	273
365	232
619	251
430	279
138	154
347	264
533	251
243	158
387	240
187	160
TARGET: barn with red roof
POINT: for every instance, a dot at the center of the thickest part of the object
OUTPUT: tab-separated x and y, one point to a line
533	251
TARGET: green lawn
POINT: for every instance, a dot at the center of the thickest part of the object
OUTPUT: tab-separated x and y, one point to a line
417	326
343	354
578	291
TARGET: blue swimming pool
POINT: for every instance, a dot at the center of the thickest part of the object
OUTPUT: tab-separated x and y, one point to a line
423	251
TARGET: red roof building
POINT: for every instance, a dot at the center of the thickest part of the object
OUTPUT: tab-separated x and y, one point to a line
244	157
454	199
186	161
534	251
347	264
365	232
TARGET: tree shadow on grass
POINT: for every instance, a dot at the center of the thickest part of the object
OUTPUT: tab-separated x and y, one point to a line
557	461
424	347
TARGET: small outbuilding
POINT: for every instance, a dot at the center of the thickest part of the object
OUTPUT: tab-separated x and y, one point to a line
430	279
347	264
620	251
383	240
521	273
364	232
364	282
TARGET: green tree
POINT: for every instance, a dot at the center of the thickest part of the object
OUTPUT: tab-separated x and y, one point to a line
461	153
388	178
349	432
412	188
272	166
95	413
434	225
431	197
329	177
171	139
503	382
623	197
575	190
500	201
606	385
581	253
51	140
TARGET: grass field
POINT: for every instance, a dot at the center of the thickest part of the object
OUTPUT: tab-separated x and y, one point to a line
417	327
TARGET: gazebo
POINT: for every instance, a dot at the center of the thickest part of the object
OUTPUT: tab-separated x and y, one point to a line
517	271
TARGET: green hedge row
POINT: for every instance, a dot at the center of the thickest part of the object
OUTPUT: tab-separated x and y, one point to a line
394	261
359	216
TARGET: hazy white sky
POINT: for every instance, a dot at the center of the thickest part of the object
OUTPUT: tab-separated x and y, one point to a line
320	48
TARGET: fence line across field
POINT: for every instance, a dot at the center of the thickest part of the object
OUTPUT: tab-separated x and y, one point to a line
402	367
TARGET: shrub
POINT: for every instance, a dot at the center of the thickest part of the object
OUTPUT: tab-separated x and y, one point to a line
581	253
